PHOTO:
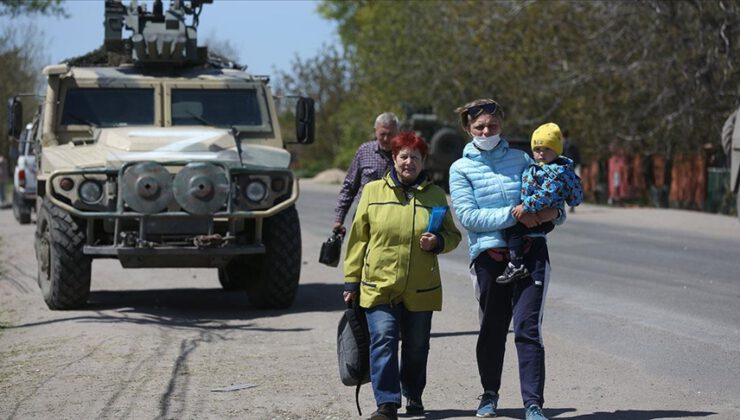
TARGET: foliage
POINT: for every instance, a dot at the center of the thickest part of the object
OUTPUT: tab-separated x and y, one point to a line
20	58
18	7
652	76
326	78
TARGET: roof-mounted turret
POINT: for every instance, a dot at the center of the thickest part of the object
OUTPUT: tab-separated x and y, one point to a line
159	37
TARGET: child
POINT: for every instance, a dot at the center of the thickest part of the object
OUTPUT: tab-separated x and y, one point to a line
551	182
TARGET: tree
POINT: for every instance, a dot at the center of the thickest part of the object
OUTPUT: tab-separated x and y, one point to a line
326	78
20	58
652	76
15	8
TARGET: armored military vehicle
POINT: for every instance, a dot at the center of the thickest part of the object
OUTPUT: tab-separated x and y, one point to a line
445	141
155	155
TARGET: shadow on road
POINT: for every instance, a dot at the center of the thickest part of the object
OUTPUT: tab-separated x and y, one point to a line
553	413
315	297
194	308
636	414
453	334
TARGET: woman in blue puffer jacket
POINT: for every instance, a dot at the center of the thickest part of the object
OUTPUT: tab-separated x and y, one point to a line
485	186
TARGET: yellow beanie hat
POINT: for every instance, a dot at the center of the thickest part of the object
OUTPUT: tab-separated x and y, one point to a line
548	135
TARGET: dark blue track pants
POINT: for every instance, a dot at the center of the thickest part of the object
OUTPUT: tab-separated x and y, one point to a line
523	301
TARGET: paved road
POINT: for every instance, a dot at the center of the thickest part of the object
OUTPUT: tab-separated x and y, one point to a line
658	290
641	323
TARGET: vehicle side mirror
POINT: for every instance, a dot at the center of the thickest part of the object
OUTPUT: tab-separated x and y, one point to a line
15	117
305	121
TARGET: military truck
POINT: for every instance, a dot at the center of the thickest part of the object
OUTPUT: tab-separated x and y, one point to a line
445	141
157	156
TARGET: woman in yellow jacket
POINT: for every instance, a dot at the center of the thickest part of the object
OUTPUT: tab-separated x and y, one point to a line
391	262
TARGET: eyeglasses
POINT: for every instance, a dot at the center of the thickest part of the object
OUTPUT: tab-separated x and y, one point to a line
475	110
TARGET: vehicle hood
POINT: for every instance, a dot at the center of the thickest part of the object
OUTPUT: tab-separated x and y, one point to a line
112	147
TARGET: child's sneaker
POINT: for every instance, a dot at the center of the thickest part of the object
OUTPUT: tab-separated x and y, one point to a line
512	273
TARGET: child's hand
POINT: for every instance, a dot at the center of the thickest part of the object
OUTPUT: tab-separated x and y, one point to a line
518	211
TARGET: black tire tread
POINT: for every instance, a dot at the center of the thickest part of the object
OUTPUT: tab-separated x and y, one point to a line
21	211
68	286
231	276
279	269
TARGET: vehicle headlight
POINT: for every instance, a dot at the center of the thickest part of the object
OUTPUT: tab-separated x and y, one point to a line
255	191
90	192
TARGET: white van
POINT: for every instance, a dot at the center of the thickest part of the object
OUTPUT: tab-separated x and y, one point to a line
24	177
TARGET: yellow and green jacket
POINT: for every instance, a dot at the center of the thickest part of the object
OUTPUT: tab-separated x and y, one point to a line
383	252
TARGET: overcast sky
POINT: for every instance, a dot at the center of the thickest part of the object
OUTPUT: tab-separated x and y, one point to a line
265	34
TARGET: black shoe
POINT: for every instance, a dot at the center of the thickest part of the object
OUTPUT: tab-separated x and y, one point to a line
512	274
414	406
385	412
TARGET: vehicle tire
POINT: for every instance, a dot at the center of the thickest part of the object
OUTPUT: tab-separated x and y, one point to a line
279	269
21	211
233	275
63	270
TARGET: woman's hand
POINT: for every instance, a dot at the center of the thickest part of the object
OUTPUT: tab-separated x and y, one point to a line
349	296
428	241
529	220
547	215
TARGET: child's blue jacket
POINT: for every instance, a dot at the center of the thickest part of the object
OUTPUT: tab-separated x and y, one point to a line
550	185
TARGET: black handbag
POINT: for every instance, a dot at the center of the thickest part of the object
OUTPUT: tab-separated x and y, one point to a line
331	250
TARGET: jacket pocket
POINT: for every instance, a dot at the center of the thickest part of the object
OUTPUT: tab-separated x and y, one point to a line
429	289
367	284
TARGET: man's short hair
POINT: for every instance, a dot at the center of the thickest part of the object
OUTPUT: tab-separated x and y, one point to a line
386	119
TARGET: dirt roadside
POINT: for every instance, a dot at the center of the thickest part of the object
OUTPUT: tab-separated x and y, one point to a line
160	343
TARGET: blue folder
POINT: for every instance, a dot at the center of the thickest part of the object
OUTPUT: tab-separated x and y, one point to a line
435	219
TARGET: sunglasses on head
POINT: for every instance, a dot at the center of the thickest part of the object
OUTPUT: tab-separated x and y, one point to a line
476	110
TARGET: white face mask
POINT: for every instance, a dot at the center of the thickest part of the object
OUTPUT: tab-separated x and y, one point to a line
486	143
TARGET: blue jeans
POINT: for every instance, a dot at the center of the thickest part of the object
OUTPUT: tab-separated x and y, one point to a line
387	324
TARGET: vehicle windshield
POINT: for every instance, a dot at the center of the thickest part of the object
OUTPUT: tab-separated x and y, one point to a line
108	107
216	107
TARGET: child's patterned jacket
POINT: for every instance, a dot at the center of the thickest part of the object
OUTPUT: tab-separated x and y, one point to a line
550	185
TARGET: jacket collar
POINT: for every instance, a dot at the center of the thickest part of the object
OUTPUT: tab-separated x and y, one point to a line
392	180
381	152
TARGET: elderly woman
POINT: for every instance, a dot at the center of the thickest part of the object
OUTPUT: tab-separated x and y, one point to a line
485	187
391	262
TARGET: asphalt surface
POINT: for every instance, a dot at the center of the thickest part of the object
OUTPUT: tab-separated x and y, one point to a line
658	289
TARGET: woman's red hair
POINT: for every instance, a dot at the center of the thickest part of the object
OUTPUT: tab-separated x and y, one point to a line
411	140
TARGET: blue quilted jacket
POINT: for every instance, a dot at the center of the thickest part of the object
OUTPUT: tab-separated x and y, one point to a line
484	188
